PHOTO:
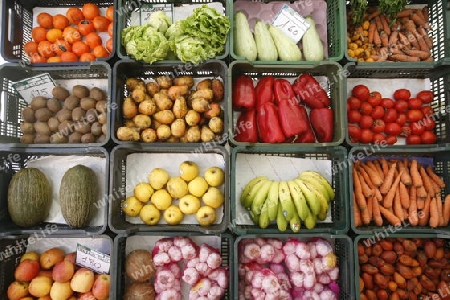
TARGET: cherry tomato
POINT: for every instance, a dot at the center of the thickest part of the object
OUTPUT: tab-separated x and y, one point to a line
427	110
391	139
414	103
365	122
402	94
353	116
428	137
378	138
354	133
354	102
426	96
392	129
361	92
413	140
378	126
366	108
401	106
387	103
390	115
429	123
414	115
366	136
374	98
401	119
416	128
378	112
406	131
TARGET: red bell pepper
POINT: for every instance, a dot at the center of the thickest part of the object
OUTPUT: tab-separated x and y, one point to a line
322	121
310	92
308	135
264	90
244	95
283	90
269	128
293	121
246	130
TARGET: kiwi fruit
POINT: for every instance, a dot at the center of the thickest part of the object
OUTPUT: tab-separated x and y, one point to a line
78	114
82	127
64	115
60	93
104	129
96	128
101	106
87	103
41	139
53	124
88	138
91	115
75	138
28	115
43	114
65	126
58	138
27	139
38	102
27	128
101	138
42	128
96	93
80	91
71	102
54	105
102	118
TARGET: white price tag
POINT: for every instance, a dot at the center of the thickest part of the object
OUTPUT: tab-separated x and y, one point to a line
92	259
291	23
40	85
146	10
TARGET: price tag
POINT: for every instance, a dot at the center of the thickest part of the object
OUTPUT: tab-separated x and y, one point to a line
291	23
40	85
92	259
148	9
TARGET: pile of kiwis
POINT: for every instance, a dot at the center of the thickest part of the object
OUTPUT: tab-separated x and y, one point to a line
172	110
79	116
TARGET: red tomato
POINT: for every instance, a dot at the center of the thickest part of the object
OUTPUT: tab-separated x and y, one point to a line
85	27
378	112
354	102
348	107
427	110
354	133
402	94
406	131
374	98
366	108
366	136
366	122
378	126
353	116
391	139
428	137
387	103
429	123
378	138
414	115
414	103
390	115
401	106
361	92
401	119
392	129
426	96
413	140
416	128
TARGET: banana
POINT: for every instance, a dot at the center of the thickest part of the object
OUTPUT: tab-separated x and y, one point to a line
319	197
272	199
255	218
315	183
322	216
299	199
295	223
264	217
322	180
260	197
281	220
255	185
313	203
287	205
310	221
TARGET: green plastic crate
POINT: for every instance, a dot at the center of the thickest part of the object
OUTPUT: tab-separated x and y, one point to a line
335	36
342	248
338	207
439	21
335	86
439	78
441	162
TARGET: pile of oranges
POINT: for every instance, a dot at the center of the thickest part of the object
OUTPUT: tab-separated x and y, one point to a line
71	37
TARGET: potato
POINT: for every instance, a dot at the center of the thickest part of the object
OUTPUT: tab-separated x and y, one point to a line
173	139
192	118
142	121
41	139
162	101
206	135
82	127
101	138
97	94
180	108
216	125
27	128
87	103
178	128
155	124
213	112
206	94
88	138
78	114
200	104
38	102
101	106
129	108
96	129
71	102
53	124
42	128
66	126
43	114
128	134
28	115
149	135
138	95
91	115
140	291
54	105
27	139
58	138
164	116
60	93
164	82
163	132
176	91
130	123
75	138
139	260
80	91
132	83
102	118
152	88
204	85
218	90
184	80
193	134
147	107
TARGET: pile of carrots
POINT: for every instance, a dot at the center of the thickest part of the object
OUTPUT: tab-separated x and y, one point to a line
378	39
398	192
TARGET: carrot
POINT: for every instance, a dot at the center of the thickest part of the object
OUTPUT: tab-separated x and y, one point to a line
377	165
419	21
406	179
422	193
376	39
424	216
429	59
360	200
357	213
417	53
420	202
425	12
405	13
376	179
406	162
384	188
374	167
421	41
384	166
376	214
409	26
393	38
373	15
435	177
367	191
404	196
388	199
371	31
427	182
385	24
434	214
403	40
404	58
378	23
389	216
412	210
384	39
370	202
446	210
440	211
415	175
412	40
436	188
369	182
397	206
420	14
426	37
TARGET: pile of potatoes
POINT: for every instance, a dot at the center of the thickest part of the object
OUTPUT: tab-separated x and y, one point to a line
172	110
76	117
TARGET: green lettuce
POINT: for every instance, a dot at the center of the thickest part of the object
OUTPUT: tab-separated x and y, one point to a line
160	21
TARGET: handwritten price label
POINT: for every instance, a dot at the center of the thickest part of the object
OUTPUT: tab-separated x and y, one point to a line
147	10
40	85
291	23
92	259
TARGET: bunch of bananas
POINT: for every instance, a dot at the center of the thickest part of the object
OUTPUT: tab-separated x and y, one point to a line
303	199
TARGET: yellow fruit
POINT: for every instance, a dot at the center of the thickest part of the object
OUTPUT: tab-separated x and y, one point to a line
189	204
150	215
215	176
158	178
198	186
188	170
173	215
143	191
132	206
177	187
161	199
213	197
206	215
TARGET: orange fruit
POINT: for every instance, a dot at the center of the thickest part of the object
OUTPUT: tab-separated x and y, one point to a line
109	45
110	13
100	51
85	27
79	48
54	59
101	23
74	15
60	22
54	34
61	46
45	20
69	57
30	47
90	11
39	34
45	49
85	57
71	35
37	59
93	40
111	29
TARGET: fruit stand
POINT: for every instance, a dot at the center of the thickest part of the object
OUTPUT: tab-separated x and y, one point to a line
225	149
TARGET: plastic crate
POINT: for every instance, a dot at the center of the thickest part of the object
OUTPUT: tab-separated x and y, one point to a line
13	247
441	162
330	74
14	159
125	69
118	184
337	219
127	7
438	20
12	104
18	17
122	248
335	24
439	83
343	248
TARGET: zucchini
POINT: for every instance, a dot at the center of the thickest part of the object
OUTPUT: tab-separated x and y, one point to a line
264	43
312	45
287	49
244	43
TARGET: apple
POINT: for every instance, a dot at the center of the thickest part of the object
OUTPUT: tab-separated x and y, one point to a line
71	257
40	286
45	298
82	280
188	170
30	255
46	273
63	271
206	215
87	296
214	176
173	215
189	204
17	290
28	298
27	270
100	290
51	257
60	291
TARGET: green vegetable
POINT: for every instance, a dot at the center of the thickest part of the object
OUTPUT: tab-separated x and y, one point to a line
244	44
392	7
264	43
160	21
312	45
357	10
145	43
287	49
